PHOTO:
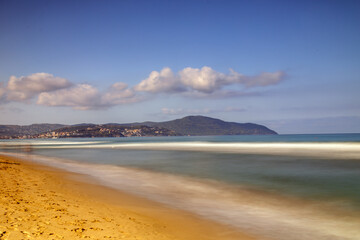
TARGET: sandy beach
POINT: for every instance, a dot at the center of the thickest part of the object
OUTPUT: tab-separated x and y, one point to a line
39	202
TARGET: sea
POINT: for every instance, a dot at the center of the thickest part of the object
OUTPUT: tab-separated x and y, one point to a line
299	187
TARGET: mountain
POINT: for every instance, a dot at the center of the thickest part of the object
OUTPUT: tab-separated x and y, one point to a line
202	126
7	131
191	125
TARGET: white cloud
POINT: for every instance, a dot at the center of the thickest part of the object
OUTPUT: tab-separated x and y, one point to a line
204	82
189	82
26	87
163	81
86	97
56	91
82	96
119	93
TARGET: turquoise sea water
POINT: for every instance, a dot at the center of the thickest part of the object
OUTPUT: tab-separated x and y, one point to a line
278	187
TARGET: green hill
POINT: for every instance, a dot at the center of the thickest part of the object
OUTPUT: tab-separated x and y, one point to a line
201	126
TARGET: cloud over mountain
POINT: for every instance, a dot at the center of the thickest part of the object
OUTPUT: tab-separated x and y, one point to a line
26	87
204	81
82	96
119	93
57	91
189	82
86	97
163	81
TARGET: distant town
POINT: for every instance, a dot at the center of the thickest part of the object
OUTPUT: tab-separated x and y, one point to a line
88	131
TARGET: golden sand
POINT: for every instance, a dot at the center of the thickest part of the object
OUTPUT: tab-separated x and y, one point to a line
38	202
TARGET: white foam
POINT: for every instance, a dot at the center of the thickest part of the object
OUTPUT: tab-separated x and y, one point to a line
331	150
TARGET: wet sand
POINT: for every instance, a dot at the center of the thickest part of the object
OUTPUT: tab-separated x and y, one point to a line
39	202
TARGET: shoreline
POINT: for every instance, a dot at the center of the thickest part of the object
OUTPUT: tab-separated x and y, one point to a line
39	201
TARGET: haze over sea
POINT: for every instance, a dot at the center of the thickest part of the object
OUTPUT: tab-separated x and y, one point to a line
274	186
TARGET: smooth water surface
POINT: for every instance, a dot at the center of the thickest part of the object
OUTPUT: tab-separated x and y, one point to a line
241	174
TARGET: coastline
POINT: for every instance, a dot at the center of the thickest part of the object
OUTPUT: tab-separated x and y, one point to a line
42	202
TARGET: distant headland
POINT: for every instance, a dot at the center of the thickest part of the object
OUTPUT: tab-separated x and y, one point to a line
187	126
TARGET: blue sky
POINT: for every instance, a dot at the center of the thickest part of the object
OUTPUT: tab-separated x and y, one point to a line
291	65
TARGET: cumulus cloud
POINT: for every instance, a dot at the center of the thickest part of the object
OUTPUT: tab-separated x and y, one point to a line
26	87
82	96
119	93
57	91
204	81
163	81
86	97
189	82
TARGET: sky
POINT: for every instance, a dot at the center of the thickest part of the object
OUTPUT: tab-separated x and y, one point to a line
293	66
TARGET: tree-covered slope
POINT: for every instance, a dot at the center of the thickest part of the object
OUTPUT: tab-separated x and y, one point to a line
200	126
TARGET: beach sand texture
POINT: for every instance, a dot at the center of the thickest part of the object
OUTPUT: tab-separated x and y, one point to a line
38	202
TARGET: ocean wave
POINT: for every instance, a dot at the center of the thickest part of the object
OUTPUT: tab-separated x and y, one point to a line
332	150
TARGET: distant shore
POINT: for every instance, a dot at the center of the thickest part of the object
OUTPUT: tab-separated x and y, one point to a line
45	203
